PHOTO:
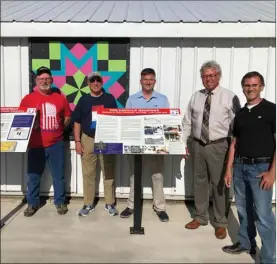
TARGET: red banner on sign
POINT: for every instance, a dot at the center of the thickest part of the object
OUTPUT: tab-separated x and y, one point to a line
138	111
13	109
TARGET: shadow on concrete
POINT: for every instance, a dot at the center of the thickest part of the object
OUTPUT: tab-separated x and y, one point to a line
7	217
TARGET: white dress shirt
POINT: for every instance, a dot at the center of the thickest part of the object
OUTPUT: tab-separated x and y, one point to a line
224	105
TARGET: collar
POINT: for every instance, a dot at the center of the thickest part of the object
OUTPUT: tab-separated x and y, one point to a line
214	91
153	95
255	104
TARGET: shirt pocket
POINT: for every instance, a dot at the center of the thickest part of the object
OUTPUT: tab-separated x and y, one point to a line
195	113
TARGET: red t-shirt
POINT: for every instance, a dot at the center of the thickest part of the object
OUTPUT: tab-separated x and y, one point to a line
49	124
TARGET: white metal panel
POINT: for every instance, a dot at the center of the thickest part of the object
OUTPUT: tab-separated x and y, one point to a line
12	72
177	63
14	84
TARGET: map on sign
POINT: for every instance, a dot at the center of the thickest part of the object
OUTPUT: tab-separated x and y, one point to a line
139	131
16	128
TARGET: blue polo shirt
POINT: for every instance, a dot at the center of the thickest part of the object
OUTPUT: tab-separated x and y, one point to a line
156	100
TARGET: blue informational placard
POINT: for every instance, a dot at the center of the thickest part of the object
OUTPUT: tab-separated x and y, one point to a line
108	148
22	121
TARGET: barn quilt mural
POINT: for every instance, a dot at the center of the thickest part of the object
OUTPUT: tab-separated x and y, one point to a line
70	61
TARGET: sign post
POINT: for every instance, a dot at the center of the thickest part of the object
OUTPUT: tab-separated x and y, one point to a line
139	132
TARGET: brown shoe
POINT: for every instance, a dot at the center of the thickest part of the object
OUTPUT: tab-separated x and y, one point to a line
220	233
194	224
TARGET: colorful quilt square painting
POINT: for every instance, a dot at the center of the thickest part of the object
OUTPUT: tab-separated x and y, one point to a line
70	61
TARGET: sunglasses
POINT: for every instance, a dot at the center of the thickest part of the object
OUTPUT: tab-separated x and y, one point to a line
97	79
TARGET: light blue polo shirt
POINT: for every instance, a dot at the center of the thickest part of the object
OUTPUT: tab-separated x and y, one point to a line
156	100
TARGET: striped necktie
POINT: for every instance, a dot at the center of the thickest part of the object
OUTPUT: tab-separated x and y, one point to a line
205	122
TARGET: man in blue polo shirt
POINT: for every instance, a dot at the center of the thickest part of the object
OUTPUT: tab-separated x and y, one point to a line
148	98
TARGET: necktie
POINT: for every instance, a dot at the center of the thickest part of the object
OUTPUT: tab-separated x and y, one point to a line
205	121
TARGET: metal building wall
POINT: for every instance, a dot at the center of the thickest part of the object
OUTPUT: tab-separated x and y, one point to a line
177	63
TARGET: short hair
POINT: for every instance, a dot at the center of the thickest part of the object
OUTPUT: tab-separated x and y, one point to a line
252	74
211	64
147	71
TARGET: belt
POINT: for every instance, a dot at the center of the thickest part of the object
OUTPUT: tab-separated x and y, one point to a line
211	141
249	161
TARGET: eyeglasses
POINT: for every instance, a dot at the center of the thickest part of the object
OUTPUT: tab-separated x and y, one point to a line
247	86
150	79
45	79
211	76
95	79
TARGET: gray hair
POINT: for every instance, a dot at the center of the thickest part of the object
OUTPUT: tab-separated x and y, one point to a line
211	64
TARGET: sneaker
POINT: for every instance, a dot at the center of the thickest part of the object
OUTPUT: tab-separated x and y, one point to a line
126	213
86	210
238	249
30	210
62	209
162	215
111	209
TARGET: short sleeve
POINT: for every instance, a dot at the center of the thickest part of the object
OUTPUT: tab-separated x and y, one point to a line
235	127
25	102
273	119
128	103
166	103
113	104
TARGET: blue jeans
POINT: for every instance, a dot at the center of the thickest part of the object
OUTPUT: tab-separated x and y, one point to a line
254	205
37	157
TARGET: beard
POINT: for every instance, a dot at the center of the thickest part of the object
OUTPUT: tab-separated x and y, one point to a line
45	87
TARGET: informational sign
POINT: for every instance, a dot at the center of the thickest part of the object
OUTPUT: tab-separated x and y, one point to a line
16	128
138	131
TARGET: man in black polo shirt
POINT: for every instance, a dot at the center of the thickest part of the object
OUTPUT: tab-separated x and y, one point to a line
85	122
253	153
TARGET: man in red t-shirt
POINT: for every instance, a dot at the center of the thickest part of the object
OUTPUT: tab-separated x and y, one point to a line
46	142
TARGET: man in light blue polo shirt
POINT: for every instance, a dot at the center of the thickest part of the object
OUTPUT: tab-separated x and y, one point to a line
148	98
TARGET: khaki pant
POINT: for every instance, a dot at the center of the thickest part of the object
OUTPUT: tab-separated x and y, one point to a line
89	161
209	167
155	164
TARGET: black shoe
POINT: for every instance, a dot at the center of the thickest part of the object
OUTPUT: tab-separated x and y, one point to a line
62	209
162	215
126	213
30	210
238	249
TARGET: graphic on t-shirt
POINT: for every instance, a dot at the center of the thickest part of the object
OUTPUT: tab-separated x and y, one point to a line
49	117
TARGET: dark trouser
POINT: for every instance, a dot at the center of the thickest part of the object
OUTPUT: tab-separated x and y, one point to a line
254	204
54	155
209	166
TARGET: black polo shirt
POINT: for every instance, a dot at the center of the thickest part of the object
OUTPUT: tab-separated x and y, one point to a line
254	130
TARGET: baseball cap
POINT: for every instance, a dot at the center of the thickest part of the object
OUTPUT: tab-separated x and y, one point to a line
43	70
94	74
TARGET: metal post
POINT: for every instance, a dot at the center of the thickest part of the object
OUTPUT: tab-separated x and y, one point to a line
137	229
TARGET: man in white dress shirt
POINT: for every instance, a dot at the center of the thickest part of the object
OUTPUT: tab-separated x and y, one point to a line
208	120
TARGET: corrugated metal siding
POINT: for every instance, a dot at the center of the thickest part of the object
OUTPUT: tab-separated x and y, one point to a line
177	64
138	11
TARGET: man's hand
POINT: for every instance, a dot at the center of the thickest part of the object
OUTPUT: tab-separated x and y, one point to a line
79	148
268	179
186	156
228	178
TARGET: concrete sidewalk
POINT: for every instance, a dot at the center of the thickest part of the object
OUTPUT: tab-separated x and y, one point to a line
100	238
